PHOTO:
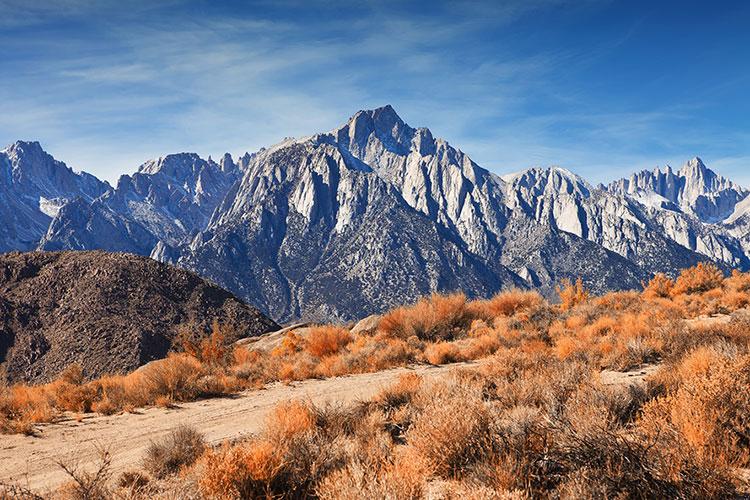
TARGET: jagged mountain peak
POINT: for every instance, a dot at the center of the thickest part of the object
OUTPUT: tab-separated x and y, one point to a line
227	163
695	189
37	173
695	164
384	116
20	147
174	165
540	180
382	124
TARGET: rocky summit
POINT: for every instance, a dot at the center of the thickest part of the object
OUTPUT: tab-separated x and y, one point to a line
108	312
375	213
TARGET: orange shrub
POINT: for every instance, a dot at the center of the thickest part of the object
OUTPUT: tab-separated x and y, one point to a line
442	352
479	347
698	279
571	294
240	471
660	286
506	304
71	397
438	317
733	300
212	349
450	433
243	355
327	340
565	347
604	326
709	414
290	345
288	420
175	377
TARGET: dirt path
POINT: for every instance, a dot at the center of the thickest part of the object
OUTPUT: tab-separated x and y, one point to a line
30	461
636	376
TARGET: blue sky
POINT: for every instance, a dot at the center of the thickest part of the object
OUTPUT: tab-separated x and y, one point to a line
602	88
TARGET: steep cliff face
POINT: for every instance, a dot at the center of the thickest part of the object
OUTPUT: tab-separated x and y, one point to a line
432	177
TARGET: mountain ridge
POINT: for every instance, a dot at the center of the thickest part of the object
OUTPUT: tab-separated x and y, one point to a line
283	227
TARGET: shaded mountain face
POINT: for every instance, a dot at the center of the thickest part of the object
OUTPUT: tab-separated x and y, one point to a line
376	213
165	203
33	187
109	312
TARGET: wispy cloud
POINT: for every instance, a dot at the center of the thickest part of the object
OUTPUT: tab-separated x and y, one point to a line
105	85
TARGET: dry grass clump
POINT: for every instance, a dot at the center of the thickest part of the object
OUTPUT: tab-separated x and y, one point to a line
660	286
450	434
325	341
180	448
289	456
506	304
441	353
438	317
708	415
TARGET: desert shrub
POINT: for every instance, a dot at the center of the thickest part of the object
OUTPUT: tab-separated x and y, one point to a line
288	420
593	452
327	340
73	397
709	412
699	279
285	461
180	448
438	317
481	346
210	349
451	432
175	377
133	481
240	471
571	294
87	484
660	286
358	480
506	303
442	352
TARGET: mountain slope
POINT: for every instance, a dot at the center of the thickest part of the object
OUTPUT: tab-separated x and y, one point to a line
109	312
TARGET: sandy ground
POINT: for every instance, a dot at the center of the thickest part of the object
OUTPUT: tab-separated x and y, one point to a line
31	461
636	376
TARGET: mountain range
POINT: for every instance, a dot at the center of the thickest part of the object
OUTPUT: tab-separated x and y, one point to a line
376	213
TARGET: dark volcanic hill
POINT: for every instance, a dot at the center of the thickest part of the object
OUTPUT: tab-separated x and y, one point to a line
109	312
